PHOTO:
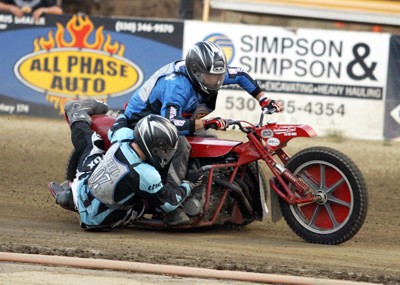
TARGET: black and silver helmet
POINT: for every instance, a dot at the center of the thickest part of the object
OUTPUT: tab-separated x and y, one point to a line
157	138
206	65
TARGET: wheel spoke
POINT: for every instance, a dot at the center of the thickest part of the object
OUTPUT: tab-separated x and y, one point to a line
333	199
313	182
309	182
314	216
335	186
331	215
322	177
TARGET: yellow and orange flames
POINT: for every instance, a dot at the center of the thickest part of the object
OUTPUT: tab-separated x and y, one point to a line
58	102
79	29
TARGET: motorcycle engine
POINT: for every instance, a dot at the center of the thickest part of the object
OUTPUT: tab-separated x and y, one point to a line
194	204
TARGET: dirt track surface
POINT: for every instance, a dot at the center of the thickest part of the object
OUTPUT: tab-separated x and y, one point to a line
34	152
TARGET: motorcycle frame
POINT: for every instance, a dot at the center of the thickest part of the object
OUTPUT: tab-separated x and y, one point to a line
257	148
282	177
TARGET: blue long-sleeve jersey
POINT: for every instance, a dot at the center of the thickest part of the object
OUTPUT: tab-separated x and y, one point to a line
170	93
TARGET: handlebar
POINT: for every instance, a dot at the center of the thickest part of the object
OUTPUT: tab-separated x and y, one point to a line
231	122
269	111
239	123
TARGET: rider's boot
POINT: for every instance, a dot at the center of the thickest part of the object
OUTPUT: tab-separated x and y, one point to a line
63	195
81	110
176	218
55	188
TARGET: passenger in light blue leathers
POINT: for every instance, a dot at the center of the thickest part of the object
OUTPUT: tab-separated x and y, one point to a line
111	188
186	91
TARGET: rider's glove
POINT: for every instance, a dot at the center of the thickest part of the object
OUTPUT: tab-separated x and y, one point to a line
270	106
215	123
121	122
195	178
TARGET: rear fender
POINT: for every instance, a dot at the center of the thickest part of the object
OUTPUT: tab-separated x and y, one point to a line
210	147
201	146
101	124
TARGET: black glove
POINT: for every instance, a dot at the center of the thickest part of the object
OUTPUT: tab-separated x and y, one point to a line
121	122
195	178
216	123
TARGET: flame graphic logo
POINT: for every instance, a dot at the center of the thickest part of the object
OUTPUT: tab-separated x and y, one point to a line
79	28
78	61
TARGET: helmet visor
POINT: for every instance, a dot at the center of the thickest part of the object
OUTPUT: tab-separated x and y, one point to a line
211	81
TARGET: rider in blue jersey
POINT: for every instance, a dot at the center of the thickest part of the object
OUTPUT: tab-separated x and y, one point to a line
180	87
186	91
110	188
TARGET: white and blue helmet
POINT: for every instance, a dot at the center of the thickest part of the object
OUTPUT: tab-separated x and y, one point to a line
206	66
158	139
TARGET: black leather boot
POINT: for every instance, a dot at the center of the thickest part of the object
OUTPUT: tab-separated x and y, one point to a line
176	218
63	195
81	110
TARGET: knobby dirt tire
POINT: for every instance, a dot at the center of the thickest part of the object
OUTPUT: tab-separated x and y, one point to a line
342	212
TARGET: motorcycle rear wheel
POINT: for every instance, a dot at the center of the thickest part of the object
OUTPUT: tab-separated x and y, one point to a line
342	210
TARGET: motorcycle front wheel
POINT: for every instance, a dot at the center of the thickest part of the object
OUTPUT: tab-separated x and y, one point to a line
342	206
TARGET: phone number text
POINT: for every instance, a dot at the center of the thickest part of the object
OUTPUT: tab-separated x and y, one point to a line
290	106
136	27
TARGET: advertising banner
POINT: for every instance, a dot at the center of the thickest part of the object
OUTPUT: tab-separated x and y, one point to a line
392	113
334	81
60	58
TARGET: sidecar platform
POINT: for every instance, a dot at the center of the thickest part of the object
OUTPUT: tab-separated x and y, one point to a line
210	147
